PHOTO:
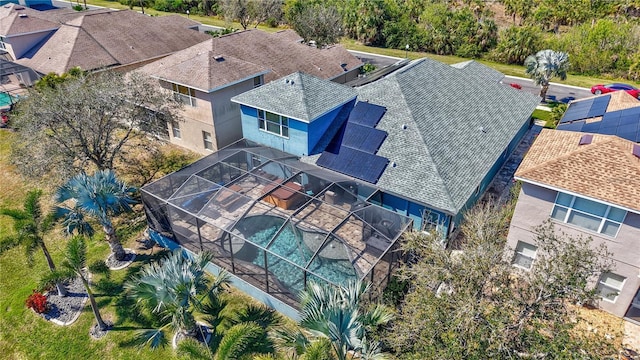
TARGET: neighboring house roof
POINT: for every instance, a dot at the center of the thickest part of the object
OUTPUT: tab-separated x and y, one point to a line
200	67
474	68
99	40
604	169
616	113
281	53
299	96
289	35
17	19
445	132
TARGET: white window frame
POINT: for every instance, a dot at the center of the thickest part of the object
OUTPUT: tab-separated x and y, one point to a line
207	140
175	130
611	287
184	94
521	253
603	219
263	123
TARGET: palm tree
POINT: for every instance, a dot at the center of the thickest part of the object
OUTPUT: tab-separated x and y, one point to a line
336	315
99	196
544	66
30	226
173	289
238	335
74	264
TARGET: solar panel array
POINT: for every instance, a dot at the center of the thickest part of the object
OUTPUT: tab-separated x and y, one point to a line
623	123
586	109
353	149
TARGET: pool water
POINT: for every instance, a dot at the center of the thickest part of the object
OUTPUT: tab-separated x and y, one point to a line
5	99
289	245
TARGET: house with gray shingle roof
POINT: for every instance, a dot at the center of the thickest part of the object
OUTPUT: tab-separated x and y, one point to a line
427	136
206	76
588	185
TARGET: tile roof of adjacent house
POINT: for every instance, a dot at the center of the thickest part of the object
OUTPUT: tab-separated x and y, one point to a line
445	130
605	169
298	95
202	68
17	19
282	53
105	39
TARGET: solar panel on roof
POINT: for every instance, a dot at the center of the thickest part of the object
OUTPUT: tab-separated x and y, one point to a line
356	163
631	136
366	114
608	131
363	138
586	109
591	127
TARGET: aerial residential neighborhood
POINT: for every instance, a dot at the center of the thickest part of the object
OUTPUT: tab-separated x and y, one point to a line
233	180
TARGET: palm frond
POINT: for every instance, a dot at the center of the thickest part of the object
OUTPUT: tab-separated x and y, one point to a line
9	242
193	349
243	339
154	338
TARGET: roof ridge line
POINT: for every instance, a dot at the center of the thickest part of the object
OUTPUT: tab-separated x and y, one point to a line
579	150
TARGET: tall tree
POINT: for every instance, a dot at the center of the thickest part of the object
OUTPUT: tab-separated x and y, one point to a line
88	122
318	22
473	304
248	12
336	315
30	226
174	288
544	66
100	196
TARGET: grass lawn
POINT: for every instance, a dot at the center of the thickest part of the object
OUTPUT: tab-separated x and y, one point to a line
25	335
541	114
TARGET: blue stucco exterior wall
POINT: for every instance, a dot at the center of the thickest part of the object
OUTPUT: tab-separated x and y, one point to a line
318	127
295	144
413	210
303	137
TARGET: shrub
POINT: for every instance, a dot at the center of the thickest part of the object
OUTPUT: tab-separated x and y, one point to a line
37	302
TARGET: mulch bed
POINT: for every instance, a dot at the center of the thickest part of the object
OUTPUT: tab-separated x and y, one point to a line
64	310
115	264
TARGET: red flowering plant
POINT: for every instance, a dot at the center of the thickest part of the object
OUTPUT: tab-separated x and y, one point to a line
37	302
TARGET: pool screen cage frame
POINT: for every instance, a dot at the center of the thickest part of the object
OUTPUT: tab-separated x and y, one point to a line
276	222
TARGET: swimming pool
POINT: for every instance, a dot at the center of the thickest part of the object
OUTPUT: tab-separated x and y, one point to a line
289	248
6	99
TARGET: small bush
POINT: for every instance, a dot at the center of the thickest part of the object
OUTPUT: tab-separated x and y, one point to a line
78	7
367	68
37	302
99	267
272	22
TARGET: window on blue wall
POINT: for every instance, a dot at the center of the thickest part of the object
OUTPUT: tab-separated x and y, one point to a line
588	214
273	123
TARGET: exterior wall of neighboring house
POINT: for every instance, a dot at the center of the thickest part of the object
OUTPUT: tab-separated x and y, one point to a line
195	125
18	45
535	205
226	114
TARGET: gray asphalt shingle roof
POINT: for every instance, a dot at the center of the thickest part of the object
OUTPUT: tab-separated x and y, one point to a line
298	95
456	129
474	68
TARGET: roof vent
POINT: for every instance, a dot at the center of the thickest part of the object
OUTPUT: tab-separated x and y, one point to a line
17	7
636	150
393	164
218	58
23	15
343	66
404	126
585	139
291	82
286	81
481	128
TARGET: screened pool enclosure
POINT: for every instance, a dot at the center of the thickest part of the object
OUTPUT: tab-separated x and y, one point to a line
276	222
